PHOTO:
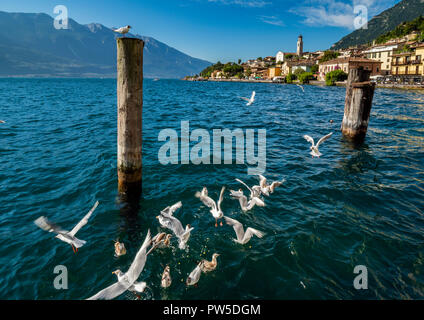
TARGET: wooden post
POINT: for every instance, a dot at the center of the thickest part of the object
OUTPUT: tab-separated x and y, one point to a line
130	105
359	95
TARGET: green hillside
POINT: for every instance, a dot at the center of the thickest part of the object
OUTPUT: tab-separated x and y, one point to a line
406	10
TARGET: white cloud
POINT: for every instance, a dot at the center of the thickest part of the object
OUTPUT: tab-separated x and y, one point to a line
337	13
273	20
244	3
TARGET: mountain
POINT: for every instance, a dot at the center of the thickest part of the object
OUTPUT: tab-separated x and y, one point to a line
386	21
31	46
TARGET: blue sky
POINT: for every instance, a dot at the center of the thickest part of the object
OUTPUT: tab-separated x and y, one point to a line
224	30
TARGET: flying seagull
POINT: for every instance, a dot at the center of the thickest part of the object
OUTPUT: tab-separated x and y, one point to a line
123	30
66	236
173	224
314	148
301	87
244	204
251	100
266	189
127	281
215	207
2	121
169	211
242	236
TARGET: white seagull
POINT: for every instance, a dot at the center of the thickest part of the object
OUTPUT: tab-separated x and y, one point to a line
244	204
266	189
169	211
66	236
215	207
314	148
251	100
255	191
194	276
301	87
123	30
172	223
242	236
127	281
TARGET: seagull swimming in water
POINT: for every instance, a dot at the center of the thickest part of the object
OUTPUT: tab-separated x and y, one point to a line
66	236
127	281
314	148
243	237
123	30
120	249
161	239
170	222
266	189
208	266
2	121
194	276
215	207
166	278
251	100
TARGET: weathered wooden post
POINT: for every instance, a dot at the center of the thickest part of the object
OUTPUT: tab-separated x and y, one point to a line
130	105
359	95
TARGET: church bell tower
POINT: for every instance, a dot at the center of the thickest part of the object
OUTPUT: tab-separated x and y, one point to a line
299	46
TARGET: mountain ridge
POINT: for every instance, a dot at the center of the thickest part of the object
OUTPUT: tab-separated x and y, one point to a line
405	10
33	47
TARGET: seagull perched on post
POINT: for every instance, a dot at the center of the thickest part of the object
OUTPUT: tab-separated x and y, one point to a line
122	30
251	100
243	237
66	236
215	207
170	222
127	281
314	148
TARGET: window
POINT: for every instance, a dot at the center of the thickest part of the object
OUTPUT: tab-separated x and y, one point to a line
379	54
377	69
374	55
417	69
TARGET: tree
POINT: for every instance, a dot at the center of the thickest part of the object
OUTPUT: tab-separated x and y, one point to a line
329	55
305	77
239	61
315	68
259	59
290	77
333	76
298	72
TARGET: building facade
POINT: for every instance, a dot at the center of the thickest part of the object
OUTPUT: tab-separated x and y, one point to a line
409	64
345	64
383	54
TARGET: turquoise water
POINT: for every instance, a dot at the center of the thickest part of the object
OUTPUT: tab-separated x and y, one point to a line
353	206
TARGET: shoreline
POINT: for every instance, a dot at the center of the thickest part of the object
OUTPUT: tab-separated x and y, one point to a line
315	83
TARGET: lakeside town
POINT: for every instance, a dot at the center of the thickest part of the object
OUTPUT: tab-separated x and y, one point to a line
393	60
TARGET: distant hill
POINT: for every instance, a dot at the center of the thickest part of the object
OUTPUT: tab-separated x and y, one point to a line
386	21
30	45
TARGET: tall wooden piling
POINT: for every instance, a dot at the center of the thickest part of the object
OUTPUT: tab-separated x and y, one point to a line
130	105
358	102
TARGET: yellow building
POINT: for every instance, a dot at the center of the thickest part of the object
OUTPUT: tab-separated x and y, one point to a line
384	55
274	72
409	63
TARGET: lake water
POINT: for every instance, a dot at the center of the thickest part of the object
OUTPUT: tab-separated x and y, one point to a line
353	206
